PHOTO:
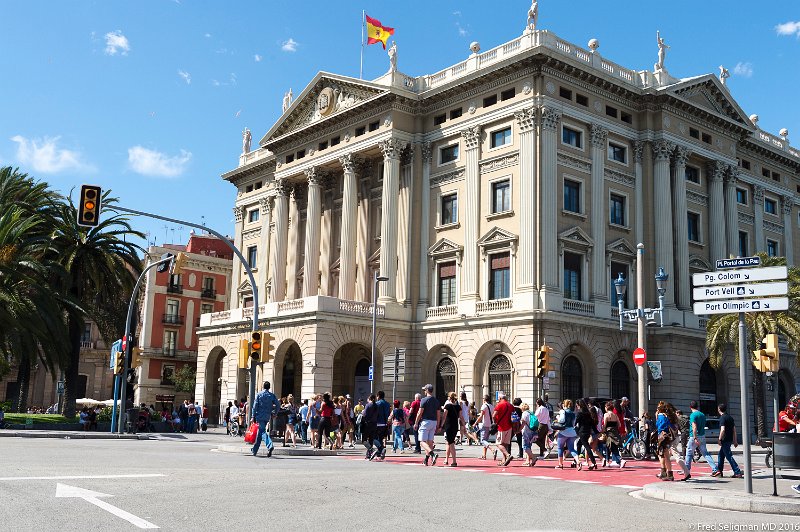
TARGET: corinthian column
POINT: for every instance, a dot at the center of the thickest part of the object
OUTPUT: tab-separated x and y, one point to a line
731	210
278	256
526	125
313	219
788	224
424	235
682	282
236	273
472	139
600	281
758	216
548	227
363	280
347	253
716	210
404	225
662	210
391	149
264	249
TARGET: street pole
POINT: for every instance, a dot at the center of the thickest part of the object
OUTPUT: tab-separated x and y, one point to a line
374	327
246	266
774	430
641	374
396	368
743	363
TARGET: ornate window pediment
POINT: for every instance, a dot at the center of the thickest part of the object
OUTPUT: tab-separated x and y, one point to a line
497	238
620	248
699	264
245	287
575	238
445	249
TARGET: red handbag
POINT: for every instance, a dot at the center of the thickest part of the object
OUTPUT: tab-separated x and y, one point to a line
252	432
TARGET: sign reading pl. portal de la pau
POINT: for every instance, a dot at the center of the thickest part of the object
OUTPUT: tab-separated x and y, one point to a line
740	290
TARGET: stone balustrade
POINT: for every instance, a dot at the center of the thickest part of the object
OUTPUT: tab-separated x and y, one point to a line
495	305
585	308
441	312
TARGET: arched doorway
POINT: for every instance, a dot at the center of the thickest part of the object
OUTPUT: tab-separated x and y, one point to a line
572	379
212	394
292	373
620	380
499	376
351	371
445	378
361	388
785	387
708	390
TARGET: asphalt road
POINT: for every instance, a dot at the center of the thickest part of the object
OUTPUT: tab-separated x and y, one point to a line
180	484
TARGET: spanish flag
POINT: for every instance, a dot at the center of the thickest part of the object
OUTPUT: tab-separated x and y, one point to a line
377	32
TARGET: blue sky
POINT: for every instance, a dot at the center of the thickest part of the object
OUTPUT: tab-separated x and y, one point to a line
150	98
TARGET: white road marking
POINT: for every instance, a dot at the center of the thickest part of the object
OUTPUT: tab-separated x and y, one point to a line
509	474
471	470
583	481
93	497
626	486
543	477
80	477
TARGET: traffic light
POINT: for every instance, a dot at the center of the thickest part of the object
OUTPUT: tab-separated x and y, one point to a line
542	361
179	263
244	354
767	358
89	206
119	362
136	357
266	347
255	345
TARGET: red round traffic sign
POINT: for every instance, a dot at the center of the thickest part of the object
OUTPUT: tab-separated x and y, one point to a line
124	343
639	356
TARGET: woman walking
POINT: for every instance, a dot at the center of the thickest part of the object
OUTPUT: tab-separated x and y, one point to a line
530	430
452	424
314	404
290	422
612	437
586	422
667	432
484	423
326	416
567	435
398	420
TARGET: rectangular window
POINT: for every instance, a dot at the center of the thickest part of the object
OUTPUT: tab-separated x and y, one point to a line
252	255
289	158
693	225
335	141
770	206
572	196
765	172
743	244
741	196
258	185
447	284
301	154
490	100
617	153
776	176
501	137
87	333
501	196
373	126
174	282
572	276
617	209
455	113
360	131
692	174
206	308
580	99
508	94
249	188
611	111
322	145
252	216
772	248
440	119
694	133
572	137
745	164
170	343
618	268
626	117
208	283
167	375
499	276
706	138
449	209
565	93
173	307
448	154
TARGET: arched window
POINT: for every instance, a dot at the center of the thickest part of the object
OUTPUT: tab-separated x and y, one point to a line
620	380
445	378
708	390
499	376
290	378
572	377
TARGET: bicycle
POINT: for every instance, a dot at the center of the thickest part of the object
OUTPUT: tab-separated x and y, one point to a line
234	429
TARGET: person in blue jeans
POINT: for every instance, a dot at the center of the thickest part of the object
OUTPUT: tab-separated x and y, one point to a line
398	420
265	406
727	436
697	437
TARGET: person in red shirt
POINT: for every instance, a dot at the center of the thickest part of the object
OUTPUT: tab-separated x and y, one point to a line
502	417
786	419
412	415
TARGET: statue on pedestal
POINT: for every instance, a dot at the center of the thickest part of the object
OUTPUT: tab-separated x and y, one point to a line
533	15
287	100
662	52
246	138
723	75
393	57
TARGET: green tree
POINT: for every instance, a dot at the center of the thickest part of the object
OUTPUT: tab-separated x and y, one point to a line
723	332
185	379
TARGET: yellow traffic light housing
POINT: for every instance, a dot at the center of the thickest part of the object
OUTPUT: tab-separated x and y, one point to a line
136	357
119	362
255	345
179	263
543	361
266	346
244	354
767	359
89	206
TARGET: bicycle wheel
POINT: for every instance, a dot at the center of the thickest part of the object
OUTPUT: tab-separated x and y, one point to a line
638	449
768	459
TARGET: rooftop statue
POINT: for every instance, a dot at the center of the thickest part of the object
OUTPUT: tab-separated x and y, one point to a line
246	138
287	100
662	52
393	57
533	15
723	75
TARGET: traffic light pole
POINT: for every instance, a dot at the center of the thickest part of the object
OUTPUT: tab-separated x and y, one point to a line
253	363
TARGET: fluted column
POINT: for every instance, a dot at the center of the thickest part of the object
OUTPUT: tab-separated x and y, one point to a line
662	210
548	227
731	211
326	239
758	217
424	235
264	249
682	283
236	273
471	138
788	224
526	125
363	280
404	226
638	190
716	211
599	213
293	248
347	245
278	256
313	219
391	149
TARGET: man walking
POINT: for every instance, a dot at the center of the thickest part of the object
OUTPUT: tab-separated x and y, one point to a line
697	437
428	420
543	415
502	417
265	406
381	432
727	436
369	420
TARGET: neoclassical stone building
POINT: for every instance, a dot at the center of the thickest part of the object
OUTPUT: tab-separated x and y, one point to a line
500	196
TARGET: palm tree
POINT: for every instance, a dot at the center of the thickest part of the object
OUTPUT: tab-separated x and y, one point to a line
723	331
99	264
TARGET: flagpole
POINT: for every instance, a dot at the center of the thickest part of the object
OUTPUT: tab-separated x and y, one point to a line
361	68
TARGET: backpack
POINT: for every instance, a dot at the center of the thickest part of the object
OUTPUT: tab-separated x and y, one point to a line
515	421
533	422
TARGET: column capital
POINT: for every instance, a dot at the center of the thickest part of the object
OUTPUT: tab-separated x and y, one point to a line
758	195
526	119
598	135
407	155
391	148
731	174
283	187
472	137
662	149
638	150
716	170
349	162
550	118
427	152
266	205
238	214
788	204
314	175
682	154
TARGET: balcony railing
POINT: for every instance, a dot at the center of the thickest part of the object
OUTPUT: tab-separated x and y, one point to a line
439	312
172	319
573	306
87	344
494	305
168	351
208	293
174	288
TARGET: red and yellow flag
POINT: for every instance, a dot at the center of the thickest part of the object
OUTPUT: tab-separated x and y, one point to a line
377	32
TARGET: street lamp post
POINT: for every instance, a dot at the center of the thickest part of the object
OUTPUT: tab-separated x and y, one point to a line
378	279
640	314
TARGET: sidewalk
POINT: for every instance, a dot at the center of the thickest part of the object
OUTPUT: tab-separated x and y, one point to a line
69	435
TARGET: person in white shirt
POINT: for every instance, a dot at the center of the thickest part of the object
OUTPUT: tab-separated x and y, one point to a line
465	436
542	413
484	423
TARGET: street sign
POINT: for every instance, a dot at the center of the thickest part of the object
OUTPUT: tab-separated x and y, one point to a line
639	356
768	304
394	363
370	373
60	388
116	346
741	290
771	273
741	262
546	383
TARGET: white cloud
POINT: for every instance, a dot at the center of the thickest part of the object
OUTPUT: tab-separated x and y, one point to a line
238	113
789	28
257	58
462	32
743	69
154	163
231	81
207	35
117	43
44	155
185	76
289	46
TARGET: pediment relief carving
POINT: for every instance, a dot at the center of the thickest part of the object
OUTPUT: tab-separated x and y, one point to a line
445	247
699	263
496	236
575	237
706	93
621	247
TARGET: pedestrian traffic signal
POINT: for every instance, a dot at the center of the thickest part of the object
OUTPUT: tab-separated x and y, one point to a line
89	206
767	358
255	345
179	263
244	354
542	361
119	362
266	347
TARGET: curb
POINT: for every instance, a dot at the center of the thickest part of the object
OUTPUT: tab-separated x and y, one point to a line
285	451
724	500
72	435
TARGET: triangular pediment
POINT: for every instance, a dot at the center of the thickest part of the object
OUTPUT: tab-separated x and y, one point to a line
708	93
495	235
326	96
245	286
576	235
621	247
444	247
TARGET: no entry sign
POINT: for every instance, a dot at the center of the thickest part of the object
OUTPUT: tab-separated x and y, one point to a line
639	356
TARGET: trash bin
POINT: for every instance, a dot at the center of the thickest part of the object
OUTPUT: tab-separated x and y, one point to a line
787	450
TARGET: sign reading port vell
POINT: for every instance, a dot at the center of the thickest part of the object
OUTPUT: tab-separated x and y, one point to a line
740	290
